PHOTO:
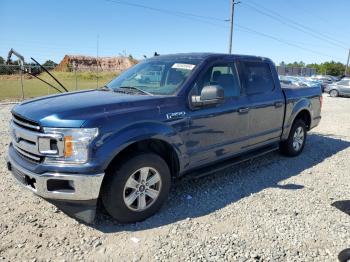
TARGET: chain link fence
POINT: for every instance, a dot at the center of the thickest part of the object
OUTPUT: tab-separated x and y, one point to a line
17	85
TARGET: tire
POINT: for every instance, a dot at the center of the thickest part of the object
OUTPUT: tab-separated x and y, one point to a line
295	143
129	200
344	256
333	93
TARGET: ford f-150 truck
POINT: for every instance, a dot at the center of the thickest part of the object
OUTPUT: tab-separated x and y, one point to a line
122	145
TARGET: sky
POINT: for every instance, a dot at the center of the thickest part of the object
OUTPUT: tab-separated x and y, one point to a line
283	30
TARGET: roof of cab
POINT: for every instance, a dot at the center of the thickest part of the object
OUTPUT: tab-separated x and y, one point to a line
203	56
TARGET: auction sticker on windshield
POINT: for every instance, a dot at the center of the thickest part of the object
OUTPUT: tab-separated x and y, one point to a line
183	66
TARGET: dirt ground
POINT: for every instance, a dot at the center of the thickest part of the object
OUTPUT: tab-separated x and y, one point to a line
270	209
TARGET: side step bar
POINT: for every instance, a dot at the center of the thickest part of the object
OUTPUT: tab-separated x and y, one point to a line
231	162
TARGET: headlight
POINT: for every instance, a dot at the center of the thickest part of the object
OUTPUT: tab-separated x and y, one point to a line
75	144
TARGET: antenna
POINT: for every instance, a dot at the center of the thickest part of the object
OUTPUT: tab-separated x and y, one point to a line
43	68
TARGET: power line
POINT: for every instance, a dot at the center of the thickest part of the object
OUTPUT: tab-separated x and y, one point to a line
295	25
207	19
176	13
249	30
318	17
193	16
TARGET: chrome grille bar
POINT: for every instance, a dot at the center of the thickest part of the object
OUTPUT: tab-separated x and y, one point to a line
25	124
25	139
35	145
33	157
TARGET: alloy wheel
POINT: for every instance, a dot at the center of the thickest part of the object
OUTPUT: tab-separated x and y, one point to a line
142	189
298	138
333	93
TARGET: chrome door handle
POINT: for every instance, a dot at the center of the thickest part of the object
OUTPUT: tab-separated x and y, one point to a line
278	104
243	110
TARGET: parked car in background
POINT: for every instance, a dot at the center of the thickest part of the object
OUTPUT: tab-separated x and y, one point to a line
291	80
335	78
311	83
329	77
341	88
284	80
299	81
325	79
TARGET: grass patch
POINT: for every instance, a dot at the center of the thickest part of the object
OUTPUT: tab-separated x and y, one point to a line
10	88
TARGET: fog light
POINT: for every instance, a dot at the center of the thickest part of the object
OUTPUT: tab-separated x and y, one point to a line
60	185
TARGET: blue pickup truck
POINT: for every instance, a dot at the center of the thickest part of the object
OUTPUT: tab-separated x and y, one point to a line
122	145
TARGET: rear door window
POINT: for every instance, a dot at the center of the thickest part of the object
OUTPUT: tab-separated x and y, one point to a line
257	77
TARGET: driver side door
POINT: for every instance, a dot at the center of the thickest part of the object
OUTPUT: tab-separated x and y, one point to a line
217	131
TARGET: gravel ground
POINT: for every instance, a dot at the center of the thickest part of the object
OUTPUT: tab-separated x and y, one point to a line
270	209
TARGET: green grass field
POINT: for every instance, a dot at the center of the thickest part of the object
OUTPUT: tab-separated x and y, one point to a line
10	88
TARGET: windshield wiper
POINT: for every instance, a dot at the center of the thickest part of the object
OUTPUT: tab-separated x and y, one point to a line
105	88
135	88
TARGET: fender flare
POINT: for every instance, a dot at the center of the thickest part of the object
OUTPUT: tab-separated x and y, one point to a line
111	144
301	105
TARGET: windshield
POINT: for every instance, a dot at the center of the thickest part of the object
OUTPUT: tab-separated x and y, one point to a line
156	77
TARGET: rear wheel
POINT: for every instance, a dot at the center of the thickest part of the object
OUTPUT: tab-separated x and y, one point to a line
333	93
344	256
295	143
137	188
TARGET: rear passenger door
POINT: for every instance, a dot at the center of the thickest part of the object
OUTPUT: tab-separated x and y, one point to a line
264	101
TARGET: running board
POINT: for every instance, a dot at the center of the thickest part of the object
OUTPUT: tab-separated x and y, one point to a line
231	162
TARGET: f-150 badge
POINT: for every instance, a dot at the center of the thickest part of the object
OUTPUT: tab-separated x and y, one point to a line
175	115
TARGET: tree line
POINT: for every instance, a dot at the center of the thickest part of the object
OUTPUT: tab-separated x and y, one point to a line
6	70
327	68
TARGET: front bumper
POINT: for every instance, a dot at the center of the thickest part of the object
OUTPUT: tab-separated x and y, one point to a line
57	186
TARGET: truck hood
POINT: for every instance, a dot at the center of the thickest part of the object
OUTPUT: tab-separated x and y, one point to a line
74	109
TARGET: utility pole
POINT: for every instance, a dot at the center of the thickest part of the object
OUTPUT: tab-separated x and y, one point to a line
97	47
347	64
232	3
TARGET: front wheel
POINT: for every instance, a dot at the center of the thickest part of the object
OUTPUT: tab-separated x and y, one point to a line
295	143
137	188
333	93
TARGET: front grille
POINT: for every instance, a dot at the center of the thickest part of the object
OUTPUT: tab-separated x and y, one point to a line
25	123
28	156
25	135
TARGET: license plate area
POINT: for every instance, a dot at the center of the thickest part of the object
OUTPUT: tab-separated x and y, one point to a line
23	179
19	176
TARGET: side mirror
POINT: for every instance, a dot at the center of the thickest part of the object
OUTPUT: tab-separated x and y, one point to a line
210	95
